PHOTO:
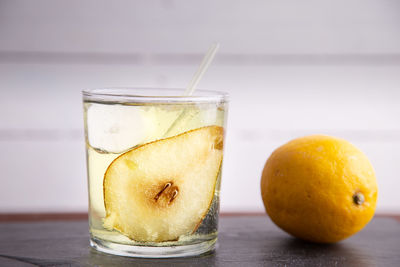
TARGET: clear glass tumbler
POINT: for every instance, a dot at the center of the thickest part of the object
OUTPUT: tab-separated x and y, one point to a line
154	161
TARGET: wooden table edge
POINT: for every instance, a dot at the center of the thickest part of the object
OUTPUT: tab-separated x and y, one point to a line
32	217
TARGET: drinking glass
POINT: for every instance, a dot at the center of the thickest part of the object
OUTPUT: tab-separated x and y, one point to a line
154	160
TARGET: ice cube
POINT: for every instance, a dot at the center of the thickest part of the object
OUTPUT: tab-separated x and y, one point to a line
115	128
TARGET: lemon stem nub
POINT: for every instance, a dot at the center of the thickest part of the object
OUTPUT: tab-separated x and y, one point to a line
358	198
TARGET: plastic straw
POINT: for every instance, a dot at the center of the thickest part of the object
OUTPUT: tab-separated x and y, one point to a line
205	63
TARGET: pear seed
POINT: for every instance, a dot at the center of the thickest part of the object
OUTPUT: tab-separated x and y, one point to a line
174	194
162	191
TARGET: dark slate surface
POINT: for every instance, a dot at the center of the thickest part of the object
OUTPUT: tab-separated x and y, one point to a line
243	241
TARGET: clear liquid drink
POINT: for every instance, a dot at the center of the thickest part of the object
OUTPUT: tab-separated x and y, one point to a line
154	170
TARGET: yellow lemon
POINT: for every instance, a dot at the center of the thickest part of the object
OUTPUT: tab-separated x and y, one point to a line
319	188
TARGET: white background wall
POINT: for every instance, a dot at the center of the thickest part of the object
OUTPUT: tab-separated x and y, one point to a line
291	67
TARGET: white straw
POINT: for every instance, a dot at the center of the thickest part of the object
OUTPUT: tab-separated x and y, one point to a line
195	81
202	69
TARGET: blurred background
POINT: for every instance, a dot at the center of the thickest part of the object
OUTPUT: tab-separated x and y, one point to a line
292	68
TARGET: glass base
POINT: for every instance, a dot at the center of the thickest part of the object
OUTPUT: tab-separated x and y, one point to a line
153	252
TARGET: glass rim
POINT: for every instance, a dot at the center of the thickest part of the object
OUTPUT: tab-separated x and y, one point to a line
137	95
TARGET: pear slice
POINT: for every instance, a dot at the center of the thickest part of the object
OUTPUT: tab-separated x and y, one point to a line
162	190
